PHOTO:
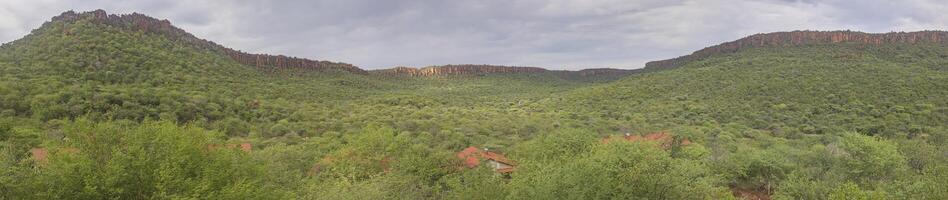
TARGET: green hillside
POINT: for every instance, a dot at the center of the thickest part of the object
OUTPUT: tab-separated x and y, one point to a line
129	114
890	91
101	72
782	117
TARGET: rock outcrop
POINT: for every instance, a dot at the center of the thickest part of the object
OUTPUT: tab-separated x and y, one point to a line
140	22
457	70
602	71
798	38
491	69
144	23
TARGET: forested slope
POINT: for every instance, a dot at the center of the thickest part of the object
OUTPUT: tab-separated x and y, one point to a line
892	90
94	94
133	114
102	72
784	118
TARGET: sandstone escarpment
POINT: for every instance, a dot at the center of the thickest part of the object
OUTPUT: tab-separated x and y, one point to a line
140	22
798	38
456	70
490	69
602	71
150	25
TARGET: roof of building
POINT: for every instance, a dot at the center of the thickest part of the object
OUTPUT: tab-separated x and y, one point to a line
497	157
506	170
472	157
468	156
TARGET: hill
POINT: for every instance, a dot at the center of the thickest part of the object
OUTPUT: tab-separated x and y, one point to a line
146	24
130	107
133	67
142	23
774	115
804	38
806	87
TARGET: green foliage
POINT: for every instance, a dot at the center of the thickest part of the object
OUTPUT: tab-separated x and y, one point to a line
480	183
798	186
578	168
869	158
130	115
153	160
850	191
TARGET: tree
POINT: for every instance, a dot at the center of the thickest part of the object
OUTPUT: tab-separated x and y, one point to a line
871	159
639	170
151	160
479	183
851	191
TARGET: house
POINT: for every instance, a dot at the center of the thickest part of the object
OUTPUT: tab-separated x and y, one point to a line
473	156
664	139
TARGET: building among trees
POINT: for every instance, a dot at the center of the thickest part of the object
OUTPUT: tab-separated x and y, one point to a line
472	157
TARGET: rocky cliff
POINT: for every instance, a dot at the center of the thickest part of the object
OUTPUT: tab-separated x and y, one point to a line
144	23
491	69
140	22
456	70
603	71
797	38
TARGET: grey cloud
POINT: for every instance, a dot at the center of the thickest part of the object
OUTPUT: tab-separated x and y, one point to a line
558	34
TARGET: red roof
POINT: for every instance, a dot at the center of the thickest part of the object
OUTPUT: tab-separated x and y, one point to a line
472	157
497	157
506	170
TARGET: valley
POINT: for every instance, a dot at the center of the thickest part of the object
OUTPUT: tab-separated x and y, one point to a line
132	107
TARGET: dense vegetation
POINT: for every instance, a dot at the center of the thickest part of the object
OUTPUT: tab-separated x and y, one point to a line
804	122
131	115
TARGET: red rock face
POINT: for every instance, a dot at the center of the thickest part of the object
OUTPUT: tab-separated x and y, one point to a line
602	71
488	69
140	22
798	38
457	70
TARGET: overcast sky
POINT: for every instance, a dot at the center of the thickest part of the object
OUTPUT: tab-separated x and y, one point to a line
555	34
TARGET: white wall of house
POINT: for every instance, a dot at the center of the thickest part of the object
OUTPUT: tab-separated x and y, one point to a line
497	165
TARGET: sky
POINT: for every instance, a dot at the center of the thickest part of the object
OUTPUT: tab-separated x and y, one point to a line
554	34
